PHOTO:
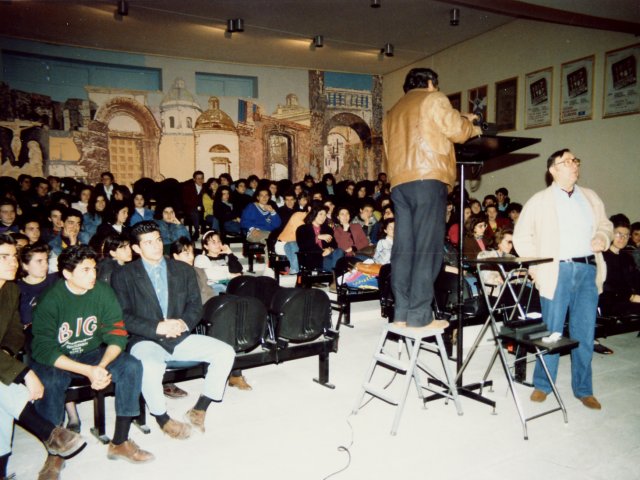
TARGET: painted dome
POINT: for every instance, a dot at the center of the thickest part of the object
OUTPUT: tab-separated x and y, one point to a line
179	95
214	118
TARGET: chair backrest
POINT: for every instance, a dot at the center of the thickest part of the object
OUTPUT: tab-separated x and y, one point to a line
262	288
302	315
238	321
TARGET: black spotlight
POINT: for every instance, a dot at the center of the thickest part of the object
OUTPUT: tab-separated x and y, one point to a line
318	41
387	50
123	8
454	17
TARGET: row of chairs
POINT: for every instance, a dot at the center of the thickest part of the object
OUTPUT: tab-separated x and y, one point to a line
265	323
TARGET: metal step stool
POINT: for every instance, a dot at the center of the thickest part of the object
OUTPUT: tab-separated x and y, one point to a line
414	341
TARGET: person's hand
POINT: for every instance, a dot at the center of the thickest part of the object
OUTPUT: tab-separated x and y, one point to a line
170	328
34	385
226	249
99	377
327	251
349	250
325	237
597	245
635	298
237	219
269	208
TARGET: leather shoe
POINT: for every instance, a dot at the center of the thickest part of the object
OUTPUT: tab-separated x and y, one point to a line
51	468
171	390
602	349
64	442
240	383
196	418
591	402
176	429
538	396
130	452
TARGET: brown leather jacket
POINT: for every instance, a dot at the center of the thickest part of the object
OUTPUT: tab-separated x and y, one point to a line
419	132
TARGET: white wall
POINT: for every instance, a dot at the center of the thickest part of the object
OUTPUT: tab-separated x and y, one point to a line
609	148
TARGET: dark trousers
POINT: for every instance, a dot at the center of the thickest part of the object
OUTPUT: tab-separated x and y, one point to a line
126	374
418	248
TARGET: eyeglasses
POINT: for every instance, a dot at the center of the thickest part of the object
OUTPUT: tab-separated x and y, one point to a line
621	235
570	161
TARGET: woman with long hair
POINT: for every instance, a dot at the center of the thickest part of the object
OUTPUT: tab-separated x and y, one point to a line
316	242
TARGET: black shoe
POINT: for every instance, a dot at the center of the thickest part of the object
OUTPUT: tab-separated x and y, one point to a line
601	349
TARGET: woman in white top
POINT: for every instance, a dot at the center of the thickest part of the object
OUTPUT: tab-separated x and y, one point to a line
218	262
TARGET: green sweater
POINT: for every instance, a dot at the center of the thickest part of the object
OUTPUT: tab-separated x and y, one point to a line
68	324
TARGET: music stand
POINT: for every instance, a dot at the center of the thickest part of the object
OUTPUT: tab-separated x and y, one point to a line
476	152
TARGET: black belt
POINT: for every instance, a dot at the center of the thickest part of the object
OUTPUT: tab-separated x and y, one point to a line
590	260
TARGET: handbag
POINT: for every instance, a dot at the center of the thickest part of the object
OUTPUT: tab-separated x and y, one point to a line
369	268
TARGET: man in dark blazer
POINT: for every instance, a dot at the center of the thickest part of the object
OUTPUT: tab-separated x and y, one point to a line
161	304
192	201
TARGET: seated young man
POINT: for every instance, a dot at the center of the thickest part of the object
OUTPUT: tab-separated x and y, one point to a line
78	331
259	218
20	386
161	303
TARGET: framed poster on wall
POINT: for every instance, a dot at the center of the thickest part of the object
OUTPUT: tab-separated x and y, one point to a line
456	100
506	104
621	88
478	101
577	90
538	97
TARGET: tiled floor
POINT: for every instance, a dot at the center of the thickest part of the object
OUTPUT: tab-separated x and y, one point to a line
289	427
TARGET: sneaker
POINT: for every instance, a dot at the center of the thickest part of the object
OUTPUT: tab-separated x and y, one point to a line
171	390
64	442
130	452
51	468
176	429
196	418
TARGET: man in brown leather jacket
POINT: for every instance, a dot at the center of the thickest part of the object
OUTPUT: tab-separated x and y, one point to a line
419	132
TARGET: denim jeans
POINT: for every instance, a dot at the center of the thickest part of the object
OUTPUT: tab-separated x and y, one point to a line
232	227
13	398
291	251
577	294
126	374
198	348
212	223
329	261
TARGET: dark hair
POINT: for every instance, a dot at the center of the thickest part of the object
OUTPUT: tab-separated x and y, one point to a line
91	207
159	211
552	158
328	176
141	228
221	189
261	189
113	242
27	253
226	176
197	172
108	174
111	214
6	239
252	178
419	78
336	212
73	256
385	223
19	236
316	208
490	197
180	245
514	206
8	201
23	176
503	191
471	223
71	212
308	177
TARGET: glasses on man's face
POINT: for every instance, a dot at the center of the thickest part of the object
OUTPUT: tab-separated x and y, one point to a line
571	161
621	235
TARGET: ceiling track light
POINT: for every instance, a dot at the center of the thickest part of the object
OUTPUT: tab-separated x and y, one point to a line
318	41
387	50
235	25
454	17
375	4
123	8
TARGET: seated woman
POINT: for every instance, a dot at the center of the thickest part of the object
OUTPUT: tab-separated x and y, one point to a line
350	237
474	242
259	218
94	216
316	242
171	228
286	243
208	199
453	234
225	212
218	262
115	223
494	221
140	213
116	251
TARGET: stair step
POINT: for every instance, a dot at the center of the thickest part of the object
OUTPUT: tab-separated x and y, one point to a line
389	360
376	392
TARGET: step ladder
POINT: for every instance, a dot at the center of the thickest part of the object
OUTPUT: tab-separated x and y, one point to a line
415	342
